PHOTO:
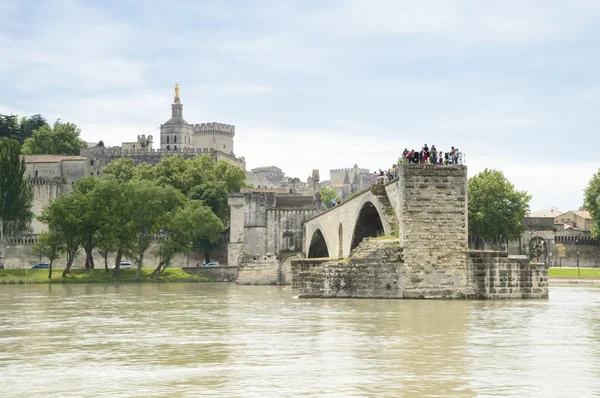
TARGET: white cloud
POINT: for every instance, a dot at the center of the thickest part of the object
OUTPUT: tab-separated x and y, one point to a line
459	21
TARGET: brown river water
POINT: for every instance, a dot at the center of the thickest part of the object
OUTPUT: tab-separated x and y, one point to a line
224	340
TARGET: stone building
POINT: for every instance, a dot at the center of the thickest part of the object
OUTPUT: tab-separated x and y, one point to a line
272	177
177	137
266	231
52	176
577	219
348	181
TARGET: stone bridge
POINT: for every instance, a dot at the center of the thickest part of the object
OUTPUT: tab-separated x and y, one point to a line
425	207
422	252
340	229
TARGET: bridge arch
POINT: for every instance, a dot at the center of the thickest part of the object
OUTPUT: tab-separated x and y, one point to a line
318	246
368	224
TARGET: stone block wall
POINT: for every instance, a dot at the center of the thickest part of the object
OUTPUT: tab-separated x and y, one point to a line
217	274
433	217
377	269
494	275
262	270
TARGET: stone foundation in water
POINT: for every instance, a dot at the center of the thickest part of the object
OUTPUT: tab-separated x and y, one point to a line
377	269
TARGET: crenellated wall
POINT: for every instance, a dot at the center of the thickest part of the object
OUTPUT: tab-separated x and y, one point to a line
265	228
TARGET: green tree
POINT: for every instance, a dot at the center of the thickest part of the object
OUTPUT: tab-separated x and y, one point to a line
213	195
116	233
9	127
149	207
15	194
50	246
327	195
91	213
63	220
122	169
591	201
496	209
187	225
29	125
61	139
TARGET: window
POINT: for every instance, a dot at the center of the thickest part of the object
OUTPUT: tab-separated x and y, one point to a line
92	173
98	173
36	174
91	162
167	140
175	140
133	146
175	148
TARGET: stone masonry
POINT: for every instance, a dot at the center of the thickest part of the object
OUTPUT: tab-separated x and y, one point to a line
427	256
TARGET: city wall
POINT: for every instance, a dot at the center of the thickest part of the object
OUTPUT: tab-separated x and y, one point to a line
20	255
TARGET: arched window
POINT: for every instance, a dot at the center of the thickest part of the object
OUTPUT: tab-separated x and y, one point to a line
175	148
168	147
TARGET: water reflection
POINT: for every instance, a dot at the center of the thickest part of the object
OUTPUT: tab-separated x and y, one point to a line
228	340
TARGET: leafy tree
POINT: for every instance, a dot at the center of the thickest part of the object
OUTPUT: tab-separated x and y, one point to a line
91	213
61	139
63	220
116	233
9	127
327	195
15	194
190	224
213	195
591	201
496	208
149	207
122	169
29	125
100	144
50	246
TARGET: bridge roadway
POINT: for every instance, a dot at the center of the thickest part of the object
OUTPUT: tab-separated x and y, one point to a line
338	230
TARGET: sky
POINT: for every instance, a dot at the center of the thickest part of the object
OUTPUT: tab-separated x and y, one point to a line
325	84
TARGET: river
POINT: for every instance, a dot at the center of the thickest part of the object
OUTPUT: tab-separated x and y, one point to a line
224	340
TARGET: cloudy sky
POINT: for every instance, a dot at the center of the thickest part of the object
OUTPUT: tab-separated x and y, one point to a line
325	84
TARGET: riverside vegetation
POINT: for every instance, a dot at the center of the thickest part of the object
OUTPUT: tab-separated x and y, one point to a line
179	203
37	276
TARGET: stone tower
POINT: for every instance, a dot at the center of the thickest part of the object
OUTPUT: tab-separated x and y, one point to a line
176	134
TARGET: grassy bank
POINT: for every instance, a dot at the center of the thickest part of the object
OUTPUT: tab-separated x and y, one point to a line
23	276
585	273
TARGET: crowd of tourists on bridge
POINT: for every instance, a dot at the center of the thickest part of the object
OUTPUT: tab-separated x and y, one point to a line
426	155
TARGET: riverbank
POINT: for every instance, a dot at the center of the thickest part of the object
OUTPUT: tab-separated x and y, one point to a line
571	276
40	276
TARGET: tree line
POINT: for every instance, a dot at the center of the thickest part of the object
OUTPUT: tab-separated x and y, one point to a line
181	204
37	137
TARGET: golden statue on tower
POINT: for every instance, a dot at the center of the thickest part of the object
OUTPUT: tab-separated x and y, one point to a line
176	92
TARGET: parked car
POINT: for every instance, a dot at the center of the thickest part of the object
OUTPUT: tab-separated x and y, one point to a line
211	264
125	264
41	265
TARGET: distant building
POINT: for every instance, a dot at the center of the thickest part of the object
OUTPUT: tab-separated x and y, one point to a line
577	219
551	212
177	137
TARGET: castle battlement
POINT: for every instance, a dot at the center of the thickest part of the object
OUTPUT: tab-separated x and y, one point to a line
211	128
43	181
351	170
